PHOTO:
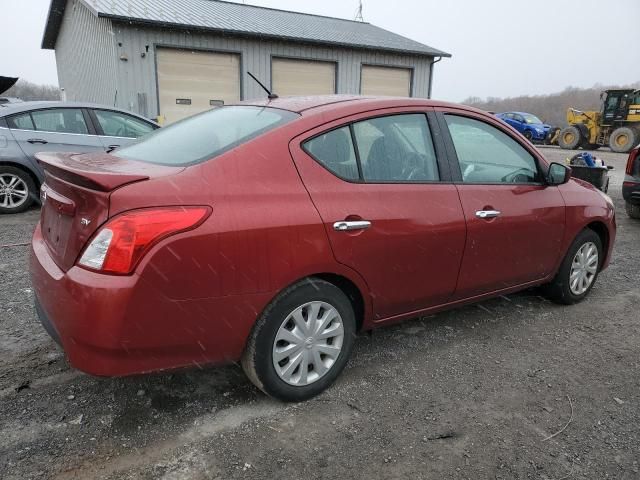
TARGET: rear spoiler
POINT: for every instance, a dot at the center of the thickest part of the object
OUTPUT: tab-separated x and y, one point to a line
100	172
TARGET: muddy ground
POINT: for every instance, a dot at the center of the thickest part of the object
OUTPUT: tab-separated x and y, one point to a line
473	393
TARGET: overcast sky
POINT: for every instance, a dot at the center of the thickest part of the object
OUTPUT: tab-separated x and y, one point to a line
500	48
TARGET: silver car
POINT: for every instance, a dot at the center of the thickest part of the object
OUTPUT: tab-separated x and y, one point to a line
27	128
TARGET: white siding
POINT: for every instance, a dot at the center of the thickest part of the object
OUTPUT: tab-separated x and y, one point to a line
86	56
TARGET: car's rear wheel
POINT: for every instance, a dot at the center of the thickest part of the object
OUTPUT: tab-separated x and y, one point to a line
579	270
301	342
632	210
17	190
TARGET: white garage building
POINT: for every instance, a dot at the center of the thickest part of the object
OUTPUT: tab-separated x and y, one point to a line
176	58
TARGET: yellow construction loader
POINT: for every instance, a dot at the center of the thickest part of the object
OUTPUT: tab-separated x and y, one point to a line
617	124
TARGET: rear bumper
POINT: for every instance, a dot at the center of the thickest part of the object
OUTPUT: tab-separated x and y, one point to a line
46	323
631	190
122	325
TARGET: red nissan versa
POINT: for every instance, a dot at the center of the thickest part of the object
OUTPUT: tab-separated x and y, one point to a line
271	232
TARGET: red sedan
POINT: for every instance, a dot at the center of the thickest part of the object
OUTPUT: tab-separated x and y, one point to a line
271	232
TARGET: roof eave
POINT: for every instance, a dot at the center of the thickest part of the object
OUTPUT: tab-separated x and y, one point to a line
52	27
180	26
54	22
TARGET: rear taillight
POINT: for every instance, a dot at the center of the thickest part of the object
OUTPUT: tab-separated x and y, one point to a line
634	156
119	245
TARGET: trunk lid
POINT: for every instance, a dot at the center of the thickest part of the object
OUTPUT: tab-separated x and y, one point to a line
75	197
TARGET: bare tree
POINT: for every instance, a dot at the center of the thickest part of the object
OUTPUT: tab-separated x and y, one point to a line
31	91
551	108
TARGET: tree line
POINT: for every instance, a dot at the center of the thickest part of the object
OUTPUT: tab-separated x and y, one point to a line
28	91
552	108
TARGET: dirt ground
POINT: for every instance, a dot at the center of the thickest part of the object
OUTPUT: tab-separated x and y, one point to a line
473	393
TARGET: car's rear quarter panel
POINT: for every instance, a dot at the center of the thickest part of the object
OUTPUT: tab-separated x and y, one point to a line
263	234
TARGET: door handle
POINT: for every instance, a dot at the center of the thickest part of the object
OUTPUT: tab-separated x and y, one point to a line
111	148
346	225
487	213
37	140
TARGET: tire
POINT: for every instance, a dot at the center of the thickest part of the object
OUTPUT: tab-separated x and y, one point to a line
570	138
528	135
560	289
17	190
623	139
267	342
632	210
551	137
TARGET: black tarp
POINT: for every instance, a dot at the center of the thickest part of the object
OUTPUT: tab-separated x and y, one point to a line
6	83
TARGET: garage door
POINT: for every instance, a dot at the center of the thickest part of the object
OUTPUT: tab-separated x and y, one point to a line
303	77
390	81
191	82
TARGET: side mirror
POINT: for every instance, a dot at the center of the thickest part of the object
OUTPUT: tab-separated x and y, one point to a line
558	174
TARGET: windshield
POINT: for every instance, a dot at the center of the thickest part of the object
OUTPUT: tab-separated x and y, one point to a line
202	137
531	119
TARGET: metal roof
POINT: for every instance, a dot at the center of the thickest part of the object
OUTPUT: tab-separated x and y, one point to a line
241	19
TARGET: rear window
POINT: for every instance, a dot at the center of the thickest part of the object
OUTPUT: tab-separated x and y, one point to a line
204	136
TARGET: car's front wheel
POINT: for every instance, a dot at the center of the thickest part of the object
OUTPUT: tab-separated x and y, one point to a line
17	190
579	270
301	342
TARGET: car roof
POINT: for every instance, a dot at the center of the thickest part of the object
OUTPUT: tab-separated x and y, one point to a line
13	108
309	103
518	113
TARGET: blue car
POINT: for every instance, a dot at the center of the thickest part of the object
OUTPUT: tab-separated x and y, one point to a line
527	124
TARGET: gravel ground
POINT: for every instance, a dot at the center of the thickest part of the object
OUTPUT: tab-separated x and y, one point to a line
468	394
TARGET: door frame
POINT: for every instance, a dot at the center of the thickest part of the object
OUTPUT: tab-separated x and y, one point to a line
439	144
297	144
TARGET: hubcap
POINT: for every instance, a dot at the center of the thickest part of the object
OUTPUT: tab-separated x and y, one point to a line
308	343
583	268
13	191
622	140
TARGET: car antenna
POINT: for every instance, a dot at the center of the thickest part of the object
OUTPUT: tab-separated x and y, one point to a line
270	96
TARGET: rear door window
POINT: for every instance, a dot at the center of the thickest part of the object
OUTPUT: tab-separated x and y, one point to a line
396	148
60	120
335	151
389	149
